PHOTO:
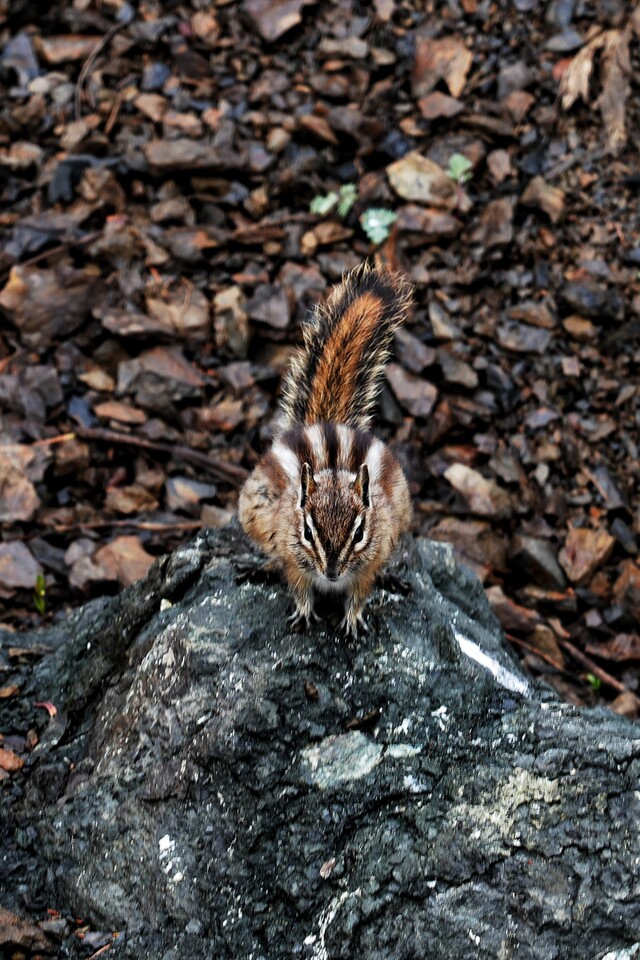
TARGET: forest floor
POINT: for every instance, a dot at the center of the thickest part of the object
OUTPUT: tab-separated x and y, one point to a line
158	252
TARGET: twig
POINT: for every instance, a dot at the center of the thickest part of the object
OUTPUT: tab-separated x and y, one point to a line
154	526
538	653
89	62
50	441
104	949
224	471
592	667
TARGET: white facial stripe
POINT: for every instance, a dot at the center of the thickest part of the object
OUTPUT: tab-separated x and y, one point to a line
374	460
287	460
316	543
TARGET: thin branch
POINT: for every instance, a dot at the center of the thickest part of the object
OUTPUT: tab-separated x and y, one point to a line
218	468
89	62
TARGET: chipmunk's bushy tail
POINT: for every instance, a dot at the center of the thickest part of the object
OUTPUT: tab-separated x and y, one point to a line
337	374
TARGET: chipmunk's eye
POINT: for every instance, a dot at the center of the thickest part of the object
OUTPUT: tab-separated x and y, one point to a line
307	532
359	534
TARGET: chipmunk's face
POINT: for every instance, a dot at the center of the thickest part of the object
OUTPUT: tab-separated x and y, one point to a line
335	523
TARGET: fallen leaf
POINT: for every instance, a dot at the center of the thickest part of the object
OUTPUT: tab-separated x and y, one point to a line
512	615
46	305
124	560
583	552
446	59
438	104
622	647
417	178
484	497
542	195
273	18
65	48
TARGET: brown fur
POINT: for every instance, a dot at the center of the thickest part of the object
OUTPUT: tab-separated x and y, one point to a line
328	502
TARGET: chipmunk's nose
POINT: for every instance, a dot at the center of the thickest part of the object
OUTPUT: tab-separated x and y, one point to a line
331	573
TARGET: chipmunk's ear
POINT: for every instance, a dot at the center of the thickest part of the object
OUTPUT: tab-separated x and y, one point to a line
307	484
362	484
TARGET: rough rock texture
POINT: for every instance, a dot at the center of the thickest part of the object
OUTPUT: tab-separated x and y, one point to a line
221	787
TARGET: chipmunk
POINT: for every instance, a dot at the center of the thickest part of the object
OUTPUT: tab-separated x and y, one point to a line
328	502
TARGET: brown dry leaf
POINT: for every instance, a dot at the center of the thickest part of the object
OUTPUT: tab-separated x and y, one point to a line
231	323
438	104
183	311
499	164
46	305
584	551
428	224
124	559
65	48
475	543
417	178
544	639
624	646
626	589
128	500
512	615
616	87
185	154
545	197
496	224
122	412
10	761
272	18
446	59
18	497
18	566
17	934
152	105
483	496
616	71
416	395
627	704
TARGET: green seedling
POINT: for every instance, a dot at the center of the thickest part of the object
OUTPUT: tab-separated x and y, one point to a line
343	199
39	595
460	168
377	222
594	682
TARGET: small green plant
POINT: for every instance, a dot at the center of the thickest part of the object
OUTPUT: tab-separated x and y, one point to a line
343	199
594	682
377	222
460	168
39	594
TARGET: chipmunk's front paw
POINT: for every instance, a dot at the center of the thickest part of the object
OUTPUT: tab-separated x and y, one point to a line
303	615
352	622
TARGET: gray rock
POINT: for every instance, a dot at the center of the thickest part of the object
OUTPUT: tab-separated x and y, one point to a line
223	787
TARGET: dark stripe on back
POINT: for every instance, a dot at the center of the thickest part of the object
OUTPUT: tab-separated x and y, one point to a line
297	441
359	449
331	441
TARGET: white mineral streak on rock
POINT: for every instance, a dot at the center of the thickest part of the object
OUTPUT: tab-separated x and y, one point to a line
504	677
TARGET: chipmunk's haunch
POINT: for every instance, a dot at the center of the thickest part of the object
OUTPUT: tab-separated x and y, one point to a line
329	501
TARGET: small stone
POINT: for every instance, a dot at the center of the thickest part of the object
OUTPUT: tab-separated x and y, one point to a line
538	558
